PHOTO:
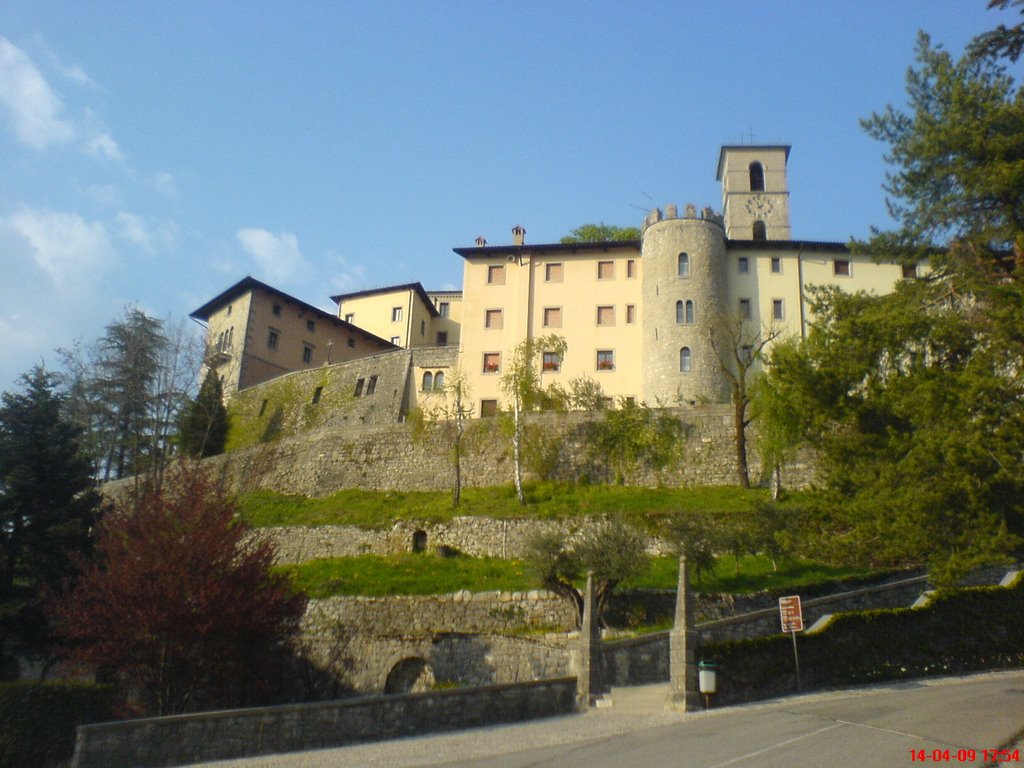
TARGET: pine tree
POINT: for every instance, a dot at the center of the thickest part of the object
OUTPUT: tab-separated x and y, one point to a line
203	424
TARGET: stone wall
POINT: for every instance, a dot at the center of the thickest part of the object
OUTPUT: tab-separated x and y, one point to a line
183	739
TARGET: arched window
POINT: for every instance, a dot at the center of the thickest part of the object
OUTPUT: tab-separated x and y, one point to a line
756	177
684	265
439	380
685	360
428	381
680	316
760	231
689	312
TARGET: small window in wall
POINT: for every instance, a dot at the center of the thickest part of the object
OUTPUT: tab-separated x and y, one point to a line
630	314
444	309
229	310
492	362
263	408
277	310
359	387
745	313
428	381
442	338
311	326
606	270
496	274
350	317
488	408
680	312
316	395
685	360
776	265
756	177
606	315
551	362
778	309
439	380
396	340
419	542
743	265
552	317
371	385
689	312
272	338
396	314
683	264
423	327
760	231
841	267
552	273
606	360
351	342
909	271
307	354
630	269
494	319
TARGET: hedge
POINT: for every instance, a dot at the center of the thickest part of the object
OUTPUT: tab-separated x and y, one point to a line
38	720
960	631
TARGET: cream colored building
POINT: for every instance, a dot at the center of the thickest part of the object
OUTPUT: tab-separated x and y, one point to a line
407	315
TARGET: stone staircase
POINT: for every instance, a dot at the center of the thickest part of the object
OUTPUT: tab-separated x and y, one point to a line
634	700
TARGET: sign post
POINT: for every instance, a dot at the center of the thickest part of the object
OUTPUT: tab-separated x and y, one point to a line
792	618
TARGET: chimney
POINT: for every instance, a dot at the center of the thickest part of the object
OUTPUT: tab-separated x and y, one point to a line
481	242
518	235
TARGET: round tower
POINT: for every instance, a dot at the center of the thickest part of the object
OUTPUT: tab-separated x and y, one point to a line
684	293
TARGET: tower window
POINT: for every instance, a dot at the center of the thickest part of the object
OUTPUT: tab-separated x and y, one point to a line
760	231
685	360
680	311
683	265
756	177
689	312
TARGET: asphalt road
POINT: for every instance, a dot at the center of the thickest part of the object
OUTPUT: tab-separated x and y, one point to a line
878	726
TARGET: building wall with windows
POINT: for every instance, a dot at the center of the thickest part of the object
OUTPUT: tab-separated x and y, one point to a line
406	315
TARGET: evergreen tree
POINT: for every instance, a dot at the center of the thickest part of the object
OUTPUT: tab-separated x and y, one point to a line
47	507
203	422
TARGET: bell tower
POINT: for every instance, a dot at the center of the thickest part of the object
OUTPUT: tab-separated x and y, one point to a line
755	196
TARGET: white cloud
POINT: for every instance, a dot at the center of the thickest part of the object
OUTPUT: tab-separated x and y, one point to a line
33	107
164	184
143	234
103	146
277	256
346	278
71	250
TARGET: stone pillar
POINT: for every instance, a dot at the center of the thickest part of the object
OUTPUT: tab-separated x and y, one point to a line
684	689
588	681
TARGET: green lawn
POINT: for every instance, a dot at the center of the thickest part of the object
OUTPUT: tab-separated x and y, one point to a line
426	574
376	509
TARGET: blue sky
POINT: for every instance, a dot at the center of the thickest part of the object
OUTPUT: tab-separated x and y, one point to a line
154	153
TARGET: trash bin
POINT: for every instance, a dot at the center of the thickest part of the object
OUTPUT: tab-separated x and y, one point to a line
707	672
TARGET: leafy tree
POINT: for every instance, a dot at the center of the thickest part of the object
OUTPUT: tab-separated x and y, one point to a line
601	233
521	384
633	436
203	422
697	537
451	416
612	549
47	506
181	608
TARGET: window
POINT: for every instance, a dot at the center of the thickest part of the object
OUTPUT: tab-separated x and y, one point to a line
756	177
552	273
630	314
423	327
229	310
350	341
743	265
496	274
316	395
776	265
272	338
778	309
307	354
488	408
685	360
371	385
689	311
679	311
311	326
277	310
494	319
841	267
396	340
606	270
359	387
606	360
552	317
428	381
442	338
492	362
909	271
630	269
606	315
396	314
551	362
683	265
760	231
439	380
350	317
444	309
745	309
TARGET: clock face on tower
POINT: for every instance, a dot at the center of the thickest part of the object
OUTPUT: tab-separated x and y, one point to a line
759	206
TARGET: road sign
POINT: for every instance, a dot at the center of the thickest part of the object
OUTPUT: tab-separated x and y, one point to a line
791	614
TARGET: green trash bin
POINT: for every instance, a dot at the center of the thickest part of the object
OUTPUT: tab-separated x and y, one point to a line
707	673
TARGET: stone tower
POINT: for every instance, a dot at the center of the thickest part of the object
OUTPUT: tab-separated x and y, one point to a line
684	292
755	196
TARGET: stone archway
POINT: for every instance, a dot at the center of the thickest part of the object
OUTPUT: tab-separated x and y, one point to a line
410	675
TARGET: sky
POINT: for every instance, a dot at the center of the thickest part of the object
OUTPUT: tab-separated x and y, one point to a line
154	153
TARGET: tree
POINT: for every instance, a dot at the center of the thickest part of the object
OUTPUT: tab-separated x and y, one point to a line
203	422
739	345
47	506
521	383
181	607
633	436
601	233
612	549
451	416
